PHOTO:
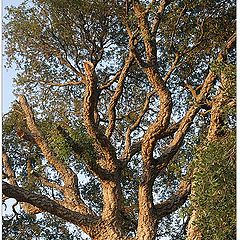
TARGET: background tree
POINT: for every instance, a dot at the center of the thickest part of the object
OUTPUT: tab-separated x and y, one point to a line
214	187
117	92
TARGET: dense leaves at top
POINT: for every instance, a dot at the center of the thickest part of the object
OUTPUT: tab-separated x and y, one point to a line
49	40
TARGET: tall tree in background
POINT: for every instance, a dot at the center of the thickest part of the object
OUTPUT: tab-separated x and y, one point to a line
112	98
214	185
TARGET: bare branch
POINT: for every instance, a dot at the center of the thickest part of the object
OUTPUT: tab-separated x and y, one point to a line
28	208
148	39
207	84
175	144
116	96
46	204
136	54
191	89
136	147
90	101
173	67
175	201
108	84
61	168
46	182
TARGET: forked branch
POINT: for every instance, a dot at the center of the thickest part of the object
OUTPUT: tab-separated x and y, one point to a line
71	190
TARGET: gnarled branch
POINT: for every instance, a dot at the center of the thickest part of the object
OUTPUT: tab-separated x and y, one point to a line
46	204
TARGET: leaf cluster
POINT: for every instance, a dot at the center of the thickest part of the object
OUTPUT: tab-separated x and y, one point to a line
215	193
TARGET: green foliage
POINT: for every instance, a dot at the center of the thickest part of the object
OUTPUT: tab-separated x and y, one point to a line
39	34
215	191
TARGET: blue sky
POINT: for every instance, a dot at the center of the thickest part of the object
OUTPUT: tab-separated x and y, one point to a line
7	74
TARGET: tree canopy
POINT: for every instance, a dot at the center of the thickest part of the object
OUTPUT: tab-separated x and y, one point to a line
116	99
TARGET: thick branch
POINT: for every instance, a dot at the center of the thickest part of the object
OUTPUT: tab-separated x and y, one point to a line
175	201
148	39
61	168
175	144
28	208
111	188
136	147
206	86
156	81
71	191
216	122
48	205
90	101
193	231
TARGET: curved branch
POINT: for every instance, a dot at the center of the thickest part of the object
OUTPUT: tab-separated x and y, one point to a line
108	84
28	208
90	101
46	182
46	204
111	188
175	201
173	147
61	168
175	144
173	67
206	86
117	95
